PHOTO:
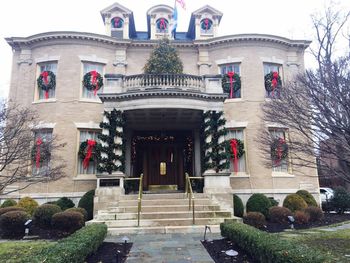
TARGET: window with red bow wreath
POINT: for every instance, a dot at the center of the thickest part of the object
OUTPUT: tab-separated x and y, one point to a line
231	82
272	81
89	151
93	81
279	149
235	149
40	152
46	81
206	24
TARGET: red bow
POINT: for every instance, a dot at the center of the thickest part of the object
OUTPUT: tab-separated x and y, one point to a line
231	74
45	74
162	23
206	23
234	145
116	22
39	142
94	75
274	81
91	145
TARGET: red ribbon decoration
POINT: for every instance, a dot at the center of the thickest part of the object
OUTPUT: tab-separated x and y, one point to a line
45	74
206	23
94	75
162	24
116	22
231	74
91	145
234	145
39	142
274	82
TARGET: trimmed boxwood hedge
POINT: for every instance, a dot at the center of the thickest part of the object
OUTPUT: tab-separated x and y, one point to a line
238	206
269	248
75	248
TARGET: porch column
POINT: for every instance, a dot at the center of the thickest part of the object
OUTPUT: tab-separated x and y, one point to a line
197	153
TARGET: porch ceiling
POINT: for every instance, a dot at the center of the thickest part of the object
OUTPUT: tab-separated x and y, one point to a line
158	119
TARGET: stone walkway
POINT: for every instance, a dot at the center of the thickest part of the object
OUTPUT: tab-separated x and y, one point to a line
167	248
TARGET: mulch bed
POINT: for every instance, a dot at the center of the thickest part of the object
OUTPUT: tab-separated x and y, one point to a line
328	219
217	248
107	253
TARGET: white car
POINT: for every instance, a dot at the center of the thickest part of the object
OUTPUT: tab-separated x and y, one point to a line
326	193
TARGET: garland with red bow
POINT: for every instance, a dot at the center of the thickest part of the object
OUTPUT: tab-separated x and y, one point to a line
93	81
89	151
272	82
117	22
162	24
236	151
46	81
40	152
279	150
206	24
231	82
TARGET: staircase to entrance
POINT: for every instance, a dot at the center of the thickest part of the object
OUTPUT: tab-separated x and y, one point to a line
162	213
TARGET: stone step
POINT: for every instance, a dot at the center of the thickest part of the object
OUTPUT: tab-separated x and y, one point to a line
161	196
115	231
163	222
160	208
164	215
198	201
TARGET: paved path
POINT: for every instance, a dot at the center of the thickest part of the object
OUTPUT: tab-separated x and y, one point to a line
167	248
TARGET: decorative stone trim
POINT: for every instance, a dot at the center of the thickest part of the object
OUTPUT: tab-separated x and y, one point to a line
93	58
87	125
272	60
47	58
229	60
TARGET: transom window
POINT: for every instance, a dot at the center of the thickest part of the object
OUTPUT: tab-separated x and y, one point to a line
85	135
237	134
232	67
47	66
87	67
281	165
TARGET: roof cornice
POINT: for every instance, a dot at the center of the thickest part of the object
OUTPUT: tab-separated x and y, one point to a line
28	42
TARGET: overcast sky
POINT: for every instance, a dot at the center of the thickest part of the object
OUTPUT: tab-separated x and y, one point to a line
21	18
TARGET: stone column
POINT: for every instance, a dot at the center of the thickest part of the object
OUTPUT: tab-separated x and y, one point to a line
197	153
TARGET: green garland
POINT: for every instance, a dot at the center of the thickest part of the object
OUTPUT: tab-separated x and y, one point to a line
213	127
107	164
226	85
96	152
268	81
279	149
240	149
51	81
87	83
45	152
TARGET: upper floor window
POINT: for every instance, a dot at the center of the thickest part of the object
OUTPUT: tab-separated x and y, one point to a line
233	67
89	167
279	150
117	22
206	26
88	67
162	25
240	163
46	81
272	80
41	152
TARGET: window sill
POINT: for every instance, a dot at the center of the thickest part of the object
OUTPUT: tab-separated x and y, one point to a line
85	177
282	175
239	175
90	100
50	100
233	100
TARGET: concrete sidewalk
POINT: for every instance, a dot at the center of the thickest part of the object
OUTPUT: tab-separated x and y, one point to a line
167	248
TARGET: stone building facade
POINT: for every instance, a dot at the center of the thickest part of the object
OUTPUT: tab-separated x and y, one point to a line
162	116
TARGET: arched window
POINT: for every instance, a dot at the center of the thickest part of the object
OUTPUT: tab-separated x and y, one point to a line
162	25
117	22
206	26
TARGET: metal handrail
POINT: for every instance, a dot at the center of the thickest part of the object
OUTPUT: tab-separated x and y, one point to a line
189	193
139	199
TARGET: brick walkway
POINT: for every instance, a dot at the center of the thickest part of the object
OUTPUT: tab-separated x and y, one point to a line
167	248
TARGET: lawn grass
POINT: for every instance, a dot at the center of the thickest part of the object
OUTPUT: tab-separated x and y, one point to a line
334	243
19	251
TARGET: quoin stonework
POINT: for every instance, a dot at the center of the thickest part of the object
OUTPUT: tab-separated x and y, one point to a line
163	126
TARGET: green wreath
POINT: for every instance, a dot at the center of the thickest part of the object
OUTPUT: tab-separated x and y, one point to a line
87	81
240	148
270	78
226	85
51	84
45	152
96	151
279	149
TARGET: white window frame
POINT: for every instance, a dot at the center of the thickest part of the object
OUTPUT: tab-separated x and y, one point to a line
285	165
38	93
46	135
90	94
236	66
80	170
271	67
243	161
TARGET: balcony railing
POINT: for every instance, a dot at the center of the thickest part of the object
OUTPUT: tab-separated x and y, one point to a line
143	82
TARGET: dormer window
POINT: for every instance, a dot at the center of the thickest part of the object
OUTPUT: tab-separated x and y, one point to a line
117	22
206	26
162	25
